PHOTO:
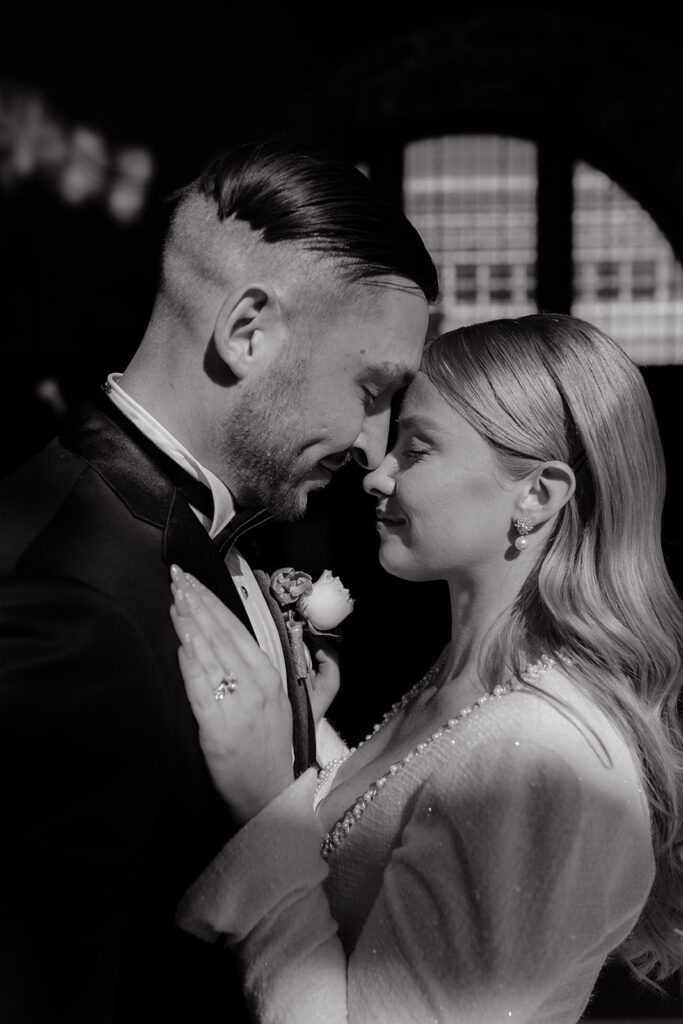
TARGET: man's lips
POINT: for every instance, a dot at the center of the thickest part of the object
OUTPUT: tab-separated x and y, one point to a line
320	472
334	462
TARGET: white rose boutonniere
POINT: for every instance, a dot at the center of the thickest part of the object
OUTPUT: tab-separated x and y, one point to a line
317	607
326	604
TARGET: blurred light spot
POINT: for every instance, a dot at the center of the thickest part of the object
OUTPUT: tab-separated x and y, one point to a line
78	162
85	173
49	391
133	170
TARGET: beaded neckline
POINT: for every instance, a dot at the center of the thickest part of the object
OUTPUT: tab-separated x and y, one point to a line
333	839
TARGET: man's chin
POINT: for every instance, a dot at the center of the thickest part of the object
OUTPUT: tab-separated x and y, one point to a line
292	504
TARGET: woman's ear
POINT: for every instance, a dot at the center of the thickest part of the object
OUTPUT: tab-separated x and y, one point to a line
546	491
250	329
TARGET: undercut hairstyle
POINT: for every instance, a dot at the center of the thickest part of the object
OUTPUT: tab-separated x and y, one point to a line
552	387
290	193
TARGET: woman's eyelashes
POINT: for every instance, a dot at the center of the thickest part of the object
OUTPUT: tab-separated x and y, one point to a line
411	449
414	454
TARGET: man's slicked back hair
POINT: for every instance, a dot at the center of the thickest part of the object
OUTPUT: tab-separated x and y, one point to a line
293	193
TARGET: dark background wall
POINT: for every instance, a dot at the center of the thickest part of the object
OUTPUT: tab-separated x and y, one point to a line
76	287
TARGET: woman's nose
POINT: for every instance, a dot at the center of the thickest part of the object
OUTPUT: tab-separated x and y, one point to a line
380	481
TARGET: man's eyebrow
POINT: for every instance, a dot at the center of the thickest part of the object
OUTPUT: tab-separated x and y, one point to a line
388	372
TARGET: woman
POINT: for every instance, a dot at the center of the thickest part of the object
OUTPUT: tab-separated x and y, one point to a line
517	817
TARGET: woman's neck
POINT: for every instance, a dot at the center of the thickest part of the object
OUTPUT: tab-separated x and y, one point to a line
476	605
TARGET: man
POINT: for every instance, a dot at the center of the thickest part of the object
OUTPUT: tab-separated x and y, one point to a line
292	304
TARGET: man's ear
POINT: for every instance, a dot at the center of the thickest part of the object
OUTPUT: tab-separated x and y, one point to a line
546	491
249	329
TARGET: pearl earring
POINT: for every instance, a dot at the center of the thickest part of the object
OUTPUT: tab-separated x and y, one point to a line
522	525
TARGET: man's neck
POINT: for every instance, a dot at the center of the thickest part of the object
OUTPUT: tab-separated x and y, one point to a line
154	398
163	437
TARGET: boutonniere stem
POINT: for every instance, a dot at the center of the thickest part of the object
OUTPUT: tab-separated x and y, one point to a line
312	607
295	631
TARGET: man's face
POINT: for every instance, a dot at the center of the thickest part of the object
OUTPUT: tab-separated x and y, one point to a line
328	397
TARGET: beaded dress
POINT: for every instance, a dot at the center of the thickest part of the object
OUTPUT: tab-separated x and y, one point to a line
485	877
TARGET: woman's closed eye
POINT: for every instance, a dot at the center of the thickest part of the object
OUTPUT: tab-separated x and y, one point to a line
414	451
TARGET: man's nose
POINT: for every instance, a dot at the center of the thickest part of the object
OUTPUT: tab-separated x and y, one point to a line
371	444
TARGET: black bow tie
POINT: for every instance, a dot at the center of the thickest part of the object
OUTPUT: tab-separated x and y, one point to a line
197	493
240	524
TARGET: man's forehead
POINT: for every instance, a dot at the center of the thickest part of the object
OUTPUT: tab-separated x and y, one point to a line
389	296
393	283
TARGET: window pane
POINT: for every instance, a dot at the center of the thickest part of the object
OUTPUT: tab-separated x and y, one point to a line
465	271
473	200
626	277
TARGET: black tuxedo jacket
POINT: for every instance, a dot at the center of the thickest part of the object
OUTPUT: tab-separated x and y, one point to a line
108	811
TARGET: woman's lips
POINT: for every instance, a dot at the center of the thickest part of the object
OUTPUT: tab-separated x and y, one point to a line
383	519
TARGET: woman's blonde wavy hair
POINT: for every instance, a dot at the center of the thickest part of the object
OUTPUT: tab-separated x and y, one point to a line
553	387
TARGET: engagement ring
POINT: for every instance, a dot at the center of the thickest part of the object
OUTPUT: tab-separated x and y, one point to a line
226	685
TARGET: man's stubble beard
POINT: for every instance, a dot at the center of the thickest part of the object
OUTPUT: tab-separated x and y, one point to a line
263	446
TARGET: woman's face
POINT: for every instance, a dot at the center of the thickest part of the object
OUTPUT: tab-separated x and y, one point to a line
444	506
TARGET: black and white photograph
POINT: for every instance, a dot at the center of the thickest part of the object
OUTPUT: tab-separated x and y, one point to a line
341	516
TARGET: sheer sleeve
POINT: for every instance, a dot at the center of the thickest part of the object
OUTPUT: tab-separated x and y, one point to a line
494	891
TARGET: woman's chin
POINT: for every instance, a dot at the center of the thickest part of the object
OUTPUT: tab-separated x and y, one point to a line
403	568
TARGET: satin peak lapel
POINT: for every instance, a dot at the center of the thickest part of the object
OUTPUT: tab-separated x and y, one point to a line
146	490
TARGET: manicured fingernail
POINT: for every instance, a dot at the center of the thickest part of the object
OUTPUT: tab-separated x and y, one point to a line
188	645
176	571
181	604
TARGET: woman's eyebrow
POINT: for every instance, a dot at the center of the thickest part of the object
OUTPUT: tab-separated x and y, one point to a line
417	423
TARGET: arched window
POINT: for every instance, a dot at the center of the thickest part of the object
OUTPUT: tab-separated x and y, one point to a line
474	200
627	279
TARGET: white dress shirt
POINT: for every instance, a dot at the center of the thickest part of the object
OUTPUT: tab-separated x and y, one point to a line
224	510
